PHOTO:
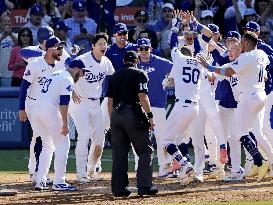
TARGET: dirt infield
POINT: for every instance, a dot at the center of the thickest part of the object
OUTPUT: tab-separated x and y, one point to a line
170	192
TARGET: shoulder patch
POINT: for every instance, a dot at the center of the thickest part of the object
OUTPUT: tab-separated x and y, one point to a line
27	73
69	88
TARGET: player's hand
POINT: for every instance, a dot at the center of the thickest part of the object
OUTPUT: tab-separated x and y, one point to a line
76	98
22	115
211	46
152	123
202	60
65	130
177	20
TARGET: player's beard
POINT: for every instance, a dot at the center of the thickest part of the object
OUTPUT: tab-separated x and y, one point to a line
76	77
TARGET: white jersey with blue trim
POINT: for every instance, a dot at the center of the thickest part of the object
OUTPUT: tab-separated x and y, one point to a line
35	73
90	85
56	84
187	74
250	67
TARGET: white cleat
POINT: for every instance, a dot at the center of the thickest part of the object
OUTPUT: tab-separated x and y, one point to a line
63	187
83	179
49	181
233	176
41	186
95	177
186	174
165	173
199	178
217	173
250	169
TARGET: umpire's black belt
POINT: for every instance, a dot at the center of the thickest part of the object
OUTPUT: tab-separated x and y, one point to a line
187	101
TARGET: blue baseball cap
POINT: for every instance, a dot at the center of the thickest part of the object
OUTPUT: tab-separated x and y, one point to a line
36	9
233	34
79	5
119	27
76	63
60	2
252	26
44	33
143	42
214	28
61	25
52	42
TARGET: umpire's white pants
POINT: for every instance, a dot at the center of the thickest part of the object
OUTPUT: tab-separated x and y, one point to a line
87	117
48	124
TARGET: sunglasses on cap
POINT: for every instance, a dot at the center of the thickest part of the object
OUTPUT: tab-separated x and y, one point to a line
123	33
144	48
141	20
167	10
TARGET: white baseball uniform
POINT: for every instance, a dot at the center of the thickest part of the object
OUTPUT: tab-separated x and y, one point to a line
48	124
87	115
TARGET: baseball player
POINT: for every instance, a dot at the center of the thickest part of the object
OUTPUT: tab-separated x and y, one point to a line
187	84
250	67
43	34
52	123
157	69
86	111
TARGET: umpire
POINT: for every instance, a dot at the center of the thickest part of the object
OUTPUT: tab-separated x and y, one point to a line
127	93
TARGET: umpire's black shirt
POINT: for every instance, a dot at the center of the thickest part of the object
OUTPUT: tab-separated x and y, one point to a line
124	85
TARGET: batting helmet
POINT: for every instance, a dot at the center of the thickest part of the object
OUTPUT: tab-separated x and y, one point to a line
44	33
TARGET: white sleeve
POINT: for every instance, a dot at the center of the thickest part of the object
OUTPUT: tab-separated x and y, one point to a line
241	63
31	72
172	73
67	87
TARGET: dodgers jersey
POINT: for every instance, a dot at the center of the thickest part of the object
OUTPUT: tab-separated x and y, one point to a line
56	84
35	73
250	67
187	74
90	85
157	69
199	45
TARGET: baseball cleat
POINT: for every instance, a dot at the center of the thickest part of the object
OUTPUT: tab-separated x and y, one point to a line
198	178
165	172
41	186
32	177
217	173
146	191
186	174
209	168
95	177
262	170
176	166
83	179
63	187
49	181
250	169
233	176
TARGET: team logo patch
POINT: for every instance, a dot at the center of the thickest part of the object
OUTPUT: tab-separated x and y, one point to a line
69	88
27	73
92	78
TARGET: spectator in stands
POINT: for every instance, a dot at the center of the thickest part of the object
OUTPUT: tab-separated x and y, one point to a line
65	8
7	41
154	10
16	62
206	17
264	35
49	10
141	19
35	21
263	9
249	15
60	30
5	6
162	28
185	5
102	14
82	27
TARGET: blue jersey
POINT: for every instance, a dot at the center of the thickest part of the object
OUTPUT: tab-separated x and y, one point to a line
157	69
115	54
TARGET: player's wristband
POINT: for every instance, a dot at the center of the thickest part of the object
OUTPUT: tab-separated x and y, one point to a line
150	115
211	68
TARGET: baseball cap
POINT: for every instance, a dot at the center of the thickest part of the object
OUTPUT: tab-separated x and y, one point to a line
143	42
141	13
233	34
76	63
214	28
252	26
79	5
44	33
52	42
60	25
119	27
60	2
36	9
168	5
206	13
249	12
130	56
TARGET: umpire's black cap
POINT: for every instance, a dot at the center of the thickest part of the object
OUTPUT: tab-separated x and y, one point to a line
130	57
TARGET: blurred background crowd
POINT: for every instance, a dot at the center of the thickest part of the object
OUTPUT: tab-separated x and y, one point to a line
75	21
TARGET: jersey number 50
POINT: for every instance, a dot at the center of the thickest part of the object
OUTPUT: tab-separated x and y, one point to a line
190	75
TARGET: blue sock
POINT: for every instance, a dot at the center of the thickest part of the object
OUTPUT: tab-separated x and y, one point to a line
184	150
253	150
176	154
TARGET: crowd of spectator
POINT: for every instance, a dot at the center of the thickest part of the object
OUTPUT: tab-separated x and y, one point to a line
75	21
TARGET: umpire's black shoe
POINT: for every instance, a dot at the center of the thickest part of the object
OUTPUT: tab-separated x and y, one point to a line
123	193
145	191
